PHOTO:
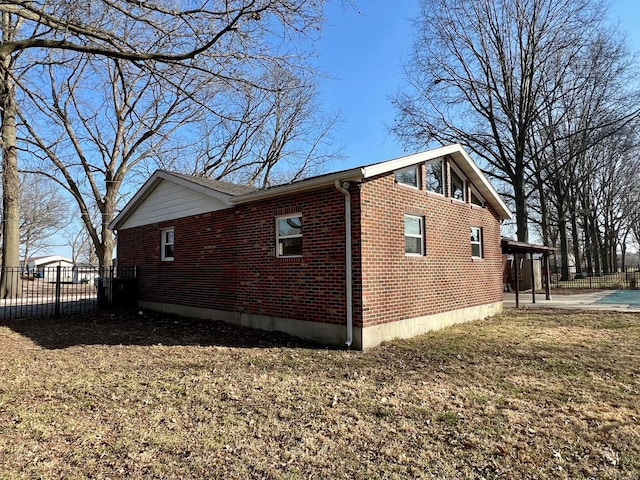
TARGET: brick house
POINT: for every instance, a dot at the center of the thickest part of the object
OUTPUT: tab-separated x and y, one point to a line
389	250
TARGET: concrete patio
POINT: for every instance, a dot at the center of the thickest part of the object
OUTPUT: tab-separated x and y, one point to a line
609	300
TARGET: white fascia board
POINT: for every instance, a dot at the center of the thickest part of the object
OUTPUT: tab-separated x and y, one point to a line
148	187
314	183
402	162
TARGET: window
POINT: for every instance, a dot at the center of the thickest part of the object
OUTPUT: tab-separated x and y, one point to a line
166	244
289	236
408	176
413	235
457	186
476	242
475	199
435	181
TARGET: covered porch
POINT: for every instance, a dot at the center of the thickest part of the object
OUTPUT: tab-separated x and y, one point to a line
521	250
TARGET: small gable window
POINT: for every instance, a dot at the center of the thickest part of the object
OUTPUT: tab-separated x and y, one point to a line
413	235
434	181
289	236
476	199
167	243
458	189
408	176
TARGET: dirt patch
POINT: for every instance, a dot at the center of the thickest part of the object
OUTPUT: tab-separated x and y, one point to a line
530	394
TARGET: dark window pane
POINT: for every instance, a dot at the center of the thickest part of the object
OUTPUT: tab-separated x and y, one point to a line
413	245
290	246
168	251
457	186
408	177
475	250
434	177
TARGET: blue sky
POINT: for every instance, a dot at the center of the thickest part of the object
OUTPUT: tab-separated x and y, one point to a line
362	51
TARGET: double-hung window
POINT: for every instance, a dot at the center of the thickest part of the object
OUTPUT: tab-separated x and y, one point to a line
289	236
476	242
413	235
167	243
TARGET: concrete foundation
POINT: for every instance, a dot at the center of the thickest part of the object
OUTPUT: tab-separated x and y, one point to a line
375	335
332	334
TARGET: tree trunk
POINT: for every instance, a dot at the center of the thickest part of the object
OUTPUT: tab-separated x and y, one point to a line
10	283
595	236
575	234
588	248
521	205
564	245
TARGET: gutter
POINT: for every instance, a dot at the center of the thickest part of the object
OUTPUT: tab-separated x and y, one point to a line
342	187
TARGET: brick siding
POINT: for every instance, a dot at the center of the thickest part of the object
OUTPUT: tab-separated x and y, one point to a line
396	286
226	260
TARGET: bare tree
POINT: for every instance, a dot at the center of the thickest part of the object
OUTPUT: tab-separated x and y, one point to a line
44	212
81	246
273	134
480	71
100	119
226	40
578	142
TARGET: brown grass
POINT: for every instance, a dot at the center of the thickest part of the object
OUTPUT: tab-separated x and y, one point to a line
530	394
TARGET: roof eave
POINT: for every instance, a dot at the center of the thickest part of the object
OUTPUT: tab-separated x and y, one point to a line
355	175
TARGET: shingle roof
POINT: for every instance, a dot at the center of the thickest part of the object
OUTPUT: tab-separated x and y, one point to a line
228	188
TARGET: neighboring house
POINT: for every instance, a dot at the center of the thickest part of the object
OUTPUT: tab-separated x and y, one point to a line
360	256
85	273
45	268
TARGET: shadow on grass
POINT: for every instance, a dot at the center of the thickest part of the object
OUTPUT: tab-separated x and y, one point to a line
151	328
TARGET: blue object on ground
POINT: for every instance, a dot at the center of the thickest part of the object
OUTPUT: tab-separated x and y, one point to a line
626	297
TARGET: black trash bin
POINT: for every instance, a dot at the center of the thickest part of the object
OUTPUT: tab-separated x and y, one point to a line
102	287
124	293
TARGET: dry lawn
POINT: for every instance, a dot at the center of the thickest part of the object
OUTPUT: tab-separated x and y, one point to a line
529	394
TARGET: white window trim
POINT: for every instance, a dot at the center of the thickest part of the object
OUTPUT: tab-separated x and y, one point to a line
413	167
477	243
163	244
442	179
464	179
421	236
282	237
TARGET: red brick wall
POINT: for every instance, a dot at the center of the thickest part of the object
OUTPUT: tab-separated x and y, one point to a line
396	286
226	260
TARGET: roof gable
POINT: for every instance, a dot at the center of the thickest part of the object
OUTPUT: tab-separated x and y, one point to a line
464	163
217	195
168	195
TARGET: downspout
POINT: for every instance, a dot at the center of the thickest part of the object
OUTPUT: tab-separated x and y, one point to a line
348	257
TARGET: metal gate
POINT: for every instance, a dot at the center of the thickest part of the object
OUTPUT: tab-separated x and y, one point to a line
55	291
